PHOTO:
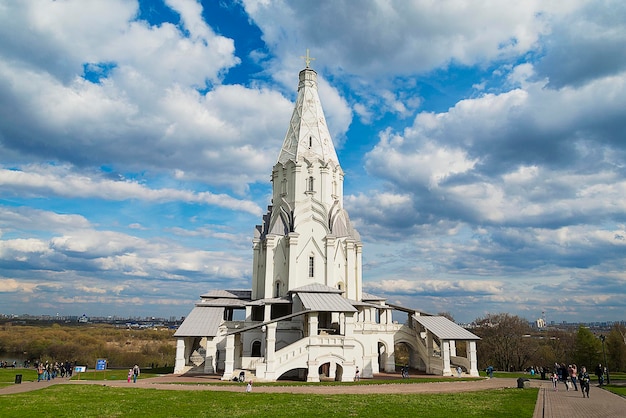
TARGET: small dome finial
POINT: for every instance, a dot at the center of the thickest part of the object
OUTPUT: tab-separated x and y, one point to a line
307	58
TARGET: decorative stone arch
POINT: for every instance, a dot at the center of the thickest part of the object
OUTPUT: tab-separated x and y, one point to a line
415	360
336	368
385	353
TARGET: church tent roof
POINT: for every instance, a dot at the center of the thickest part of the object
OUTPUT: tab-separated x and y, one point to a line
308	135
202	321
325	302
444	329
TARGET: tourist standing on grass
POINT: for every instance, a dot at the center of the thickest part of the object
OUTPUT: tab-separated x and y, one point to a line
585	381
136	373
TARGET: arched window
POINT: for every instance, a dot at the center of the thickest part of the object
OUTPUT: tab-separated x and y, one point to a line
310	184
256	349
310	142
311	266
277	292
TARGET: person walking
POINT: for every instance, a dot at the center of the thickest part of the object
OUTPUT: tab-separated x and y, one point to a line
585	381
130	375
573	375
136	373
600	374
555	381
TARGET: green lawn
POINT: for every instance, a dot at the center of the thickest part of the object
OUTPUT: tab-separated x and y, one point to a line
514	375
620	390
7	376
106	401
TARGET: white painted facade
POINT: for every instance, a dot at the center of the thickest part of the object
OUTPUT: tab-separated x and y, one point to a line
306	315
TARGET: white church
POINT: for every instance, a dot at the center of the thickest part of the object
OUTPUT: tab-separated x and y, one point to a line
306	316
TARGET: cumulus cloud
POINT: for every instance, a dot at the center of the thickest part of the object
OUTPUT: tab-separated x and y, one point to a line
132	94
482	145
405	37
12	285
63	181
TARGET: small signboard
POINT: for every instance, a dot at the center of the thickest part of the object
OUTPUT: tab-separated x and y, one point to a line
101	364
80	369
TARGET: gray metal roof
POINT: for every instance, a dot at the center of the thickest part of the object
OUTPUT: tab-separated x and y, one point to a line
202	321
367	304
445	329
228	294
269	301
325	302
316	288
222	302
369	297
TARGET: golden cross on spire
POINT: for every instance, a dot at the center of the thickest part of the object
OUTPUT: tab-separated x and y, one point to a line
307	58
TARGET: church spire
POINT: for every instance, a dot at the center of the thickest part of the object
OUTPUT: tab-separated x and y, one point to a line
308	136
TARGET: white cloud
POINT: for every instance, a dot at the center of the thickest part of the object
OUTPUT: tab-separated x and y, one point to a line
12	285
405	37
62	181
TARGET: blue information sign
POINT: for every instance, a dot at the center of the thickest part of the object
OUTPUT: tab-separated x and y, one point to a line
101	364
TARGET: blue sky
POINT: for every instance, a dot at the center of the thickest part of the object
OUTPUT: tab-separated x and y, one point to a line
484	146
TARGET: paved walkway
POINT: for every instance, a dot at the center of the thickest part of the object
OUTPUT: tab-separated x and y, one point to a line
571	404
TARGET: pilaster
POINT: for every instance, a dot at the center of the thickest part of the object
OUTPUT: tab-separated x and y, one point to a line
351	281
256	246
331	241
292	248
270	249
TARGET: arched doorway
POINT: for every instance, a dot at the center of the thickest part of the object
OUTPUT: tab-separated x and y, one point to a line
330	371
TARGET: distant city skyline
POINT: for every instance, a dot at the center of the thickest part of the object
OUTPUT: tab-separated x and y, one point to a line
483	147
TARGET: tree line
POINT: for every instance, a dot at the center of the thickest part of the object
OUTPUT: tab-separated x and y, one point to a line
83	344
509	343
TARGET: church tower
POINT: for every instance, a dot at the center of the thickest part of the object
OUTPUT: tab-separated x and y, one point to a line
306	237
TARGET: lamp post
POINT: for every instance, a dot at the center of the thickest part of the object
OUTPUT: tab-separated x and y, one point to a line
608	377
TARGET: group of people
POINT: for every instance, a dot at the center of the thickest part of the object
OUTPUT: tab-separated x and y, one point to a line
571	377
6	364
48	371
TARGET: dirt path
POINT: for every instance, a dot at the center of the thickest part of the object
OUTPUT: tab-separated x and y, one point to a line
171	382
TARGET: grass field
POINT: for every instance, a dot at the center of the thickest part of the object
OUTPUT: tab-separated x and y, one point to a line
106	401
7	376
